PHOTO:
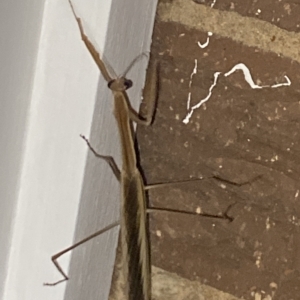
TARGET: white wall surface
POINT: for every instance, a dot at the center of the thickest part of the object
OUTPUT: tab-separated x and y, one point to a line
51	91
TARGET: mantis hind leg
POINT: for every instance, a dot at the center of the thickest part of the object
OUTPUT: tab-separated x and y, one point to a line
224	215
111	162
57	255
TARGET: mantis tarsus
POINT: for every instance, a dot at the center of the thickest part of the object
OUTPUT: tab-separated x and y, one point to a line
133	222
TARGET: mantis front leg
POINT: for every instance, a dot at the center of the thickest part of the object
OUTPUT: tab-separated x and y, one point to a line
150	95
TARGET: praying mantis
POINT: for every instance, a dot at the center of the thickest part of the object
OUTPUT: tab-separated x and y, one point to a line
133	223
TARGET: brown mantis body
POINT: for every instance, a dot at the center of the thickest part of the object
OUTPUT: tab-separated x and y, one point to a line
133	216
134	238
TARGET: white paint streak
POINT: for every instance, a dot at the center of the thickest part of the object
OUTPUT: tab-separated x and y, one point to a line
268	223
288	83
187	118
190	83
189	101
247	75
204	45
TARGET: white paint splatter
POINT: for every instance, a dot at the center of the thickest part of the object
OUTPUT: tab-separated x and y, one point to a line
248	78
190	84
287	83
258	12
198	210
209	34
188	103
268	223
258	255
193	73
274	158
187	118
214	2
247	75
204	45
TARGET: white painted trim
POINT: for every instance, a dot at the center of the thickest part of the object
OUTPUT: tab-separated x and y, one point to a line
49	90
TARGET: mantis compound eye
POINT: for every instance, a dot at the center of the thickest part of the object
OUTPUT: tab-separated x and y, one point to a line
110	83
128	83
120	84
